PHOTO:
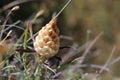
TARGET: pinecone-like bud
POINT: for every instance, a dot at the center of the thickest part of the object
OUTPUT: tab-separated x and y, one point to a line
46	43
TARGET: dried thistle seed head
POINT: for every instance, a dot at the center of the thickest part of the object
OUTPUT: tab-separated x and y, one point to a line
46	43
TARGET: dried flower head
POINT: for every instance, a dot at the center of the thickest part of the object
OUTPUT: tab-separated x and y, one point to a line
46	43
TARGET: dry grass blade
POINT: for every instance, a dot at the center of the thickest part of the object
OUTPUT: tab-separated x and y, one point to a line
93	66
49	68
10	66
70	53
38	14
63	8
115	61
89	46
14	3
108	61
66	37
8	34
9	26
33	36
31	31
6	19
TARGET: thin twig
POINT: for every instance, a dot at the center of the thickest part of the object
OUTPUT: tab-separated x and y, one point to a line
108	61
63	8
8	34
83	66
94	66
115	61
3	27
33	36
6	19
12	25
70	53
89	47
31	31
57	74
49	68
10	66
66	37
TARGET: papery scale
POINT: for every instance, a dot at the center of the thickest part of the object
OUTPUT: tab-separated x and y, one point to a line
46	43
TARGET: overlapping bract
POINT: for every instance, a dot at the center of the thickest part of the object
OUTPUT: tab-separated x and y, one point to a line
46	43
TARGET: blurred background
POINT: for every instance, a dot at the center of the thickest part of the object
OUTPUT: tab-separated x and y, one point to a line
81	20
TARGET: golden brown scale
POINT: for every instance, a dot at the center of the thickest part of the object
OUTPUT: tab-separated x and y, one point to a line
46	43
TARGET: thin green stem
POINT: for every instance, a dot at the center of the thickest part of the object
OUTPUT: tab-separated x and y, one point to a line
25	47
